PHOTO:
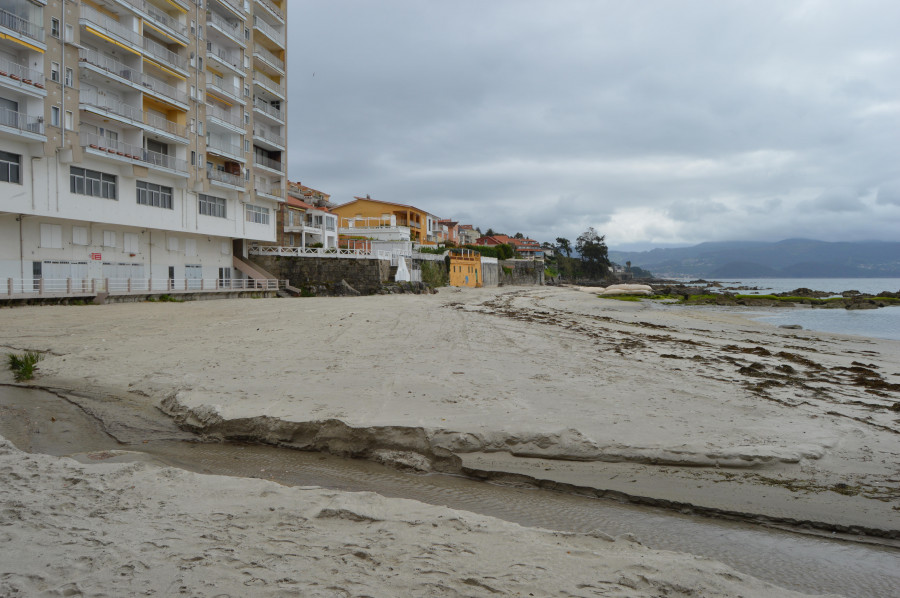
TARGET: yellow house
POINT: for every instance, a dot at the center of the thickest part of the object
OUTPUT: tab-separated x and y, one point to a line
465	268
367	208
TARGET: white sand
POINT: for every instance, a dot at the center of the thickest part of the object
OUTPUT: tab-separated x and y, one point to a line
126	530
549	382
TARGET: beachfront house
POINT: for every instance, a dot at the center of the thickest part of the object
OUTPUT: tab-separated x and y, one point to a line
384	220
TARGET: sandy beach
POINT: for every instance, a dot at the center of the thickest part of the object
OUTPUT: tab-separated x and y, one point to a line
694	408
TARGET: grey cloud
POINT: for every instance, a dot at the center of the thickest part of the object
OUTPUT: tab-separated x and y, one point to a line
492	112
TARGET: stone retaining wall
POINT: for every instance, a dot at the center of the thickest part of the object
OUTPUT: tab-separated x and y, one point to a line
316	273
521	272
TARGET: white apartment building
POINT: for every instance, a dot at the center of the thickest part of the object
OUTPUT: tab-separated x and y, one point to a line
139	139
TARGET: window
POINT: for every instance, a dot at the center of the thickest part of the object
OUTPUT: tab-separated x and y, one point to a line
54	116
257	214
54	27
190	247
70	121
51	236
212	206
151	194
70	77
54	71
91	182
109	238
70	33
172	243
132	243
9	167
79	235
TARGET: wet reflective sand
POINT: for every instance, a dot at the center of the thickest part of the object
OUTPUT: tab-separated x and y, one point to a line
799	562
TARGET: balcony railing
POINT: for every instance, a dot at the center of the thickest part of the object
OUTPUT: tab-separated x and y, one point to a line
124	71
269	136
224	54
276	12
21	26
222	146
136	115
232	119
166	55
270	190
267	83
232	30
267	56
128	151
20	72
232	91
160	17
225	177
268	108
268	163
269	31
21	121
106	24
231	5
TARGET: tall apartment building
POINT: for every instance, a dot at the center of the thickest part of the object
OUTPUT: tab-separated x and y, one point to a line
139	138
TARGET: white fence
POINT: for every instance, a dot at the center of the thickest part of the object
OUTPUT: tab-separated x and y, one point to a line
87	287
359	254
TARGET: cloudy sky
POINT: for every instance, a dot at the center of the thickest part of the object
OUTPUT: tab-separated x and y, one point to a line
658	122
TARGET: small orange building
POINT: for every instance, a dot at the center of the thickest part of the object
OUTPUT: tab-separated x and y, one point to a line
465	268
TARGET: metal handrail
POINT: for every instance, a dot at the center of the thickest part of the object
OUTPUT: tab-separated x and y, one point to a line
131	152
86	287
21	121
268	163
92	98
224	55
232	91
224	177
270	85
14	70
21	25
270	32
229	29
120	69
269	136
268	108
269	57
330	252
273	9
224	115
160	17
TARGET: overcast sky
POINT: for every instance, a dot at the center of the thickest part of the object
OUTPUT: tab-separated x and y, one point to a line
658	122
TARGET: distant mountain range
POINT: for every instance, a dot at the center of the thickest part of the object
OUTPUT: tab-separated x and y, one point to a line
792	258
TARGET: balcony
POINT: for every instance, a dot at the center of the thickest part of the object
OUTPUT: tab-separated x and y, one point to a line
21	78
118	150
267	84
159	18
128	114
101	24
233	31
273	10
22	124
271	32
23	28
269	163
269	110
269	58
225	178
219	86
137	80
268	139
224	117
163	54
230	5
221	147
228	58
270	192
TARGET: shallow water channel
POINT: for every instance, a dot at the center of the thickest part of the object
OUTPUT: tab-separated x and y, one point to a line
40	422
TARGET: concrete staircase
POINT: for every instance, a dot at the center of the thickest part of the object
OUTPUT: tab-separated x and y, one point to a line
254	272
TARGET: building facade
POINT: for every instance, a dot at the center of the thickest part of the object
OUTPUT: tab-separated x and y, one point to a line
140	138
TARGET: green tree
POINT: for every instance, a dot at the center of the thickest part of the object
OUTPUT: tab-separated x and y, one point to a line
564	245
490	233
593	251
518	236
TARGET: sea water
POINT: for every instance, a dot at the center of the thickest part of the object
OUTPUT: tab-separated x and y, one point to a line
875	323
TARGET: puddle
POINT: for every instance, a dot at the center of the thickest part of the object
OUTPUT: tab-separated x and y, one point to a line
37	421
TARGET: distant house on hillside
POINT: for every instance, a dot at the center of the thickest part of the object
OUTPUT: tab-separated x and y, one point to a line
304	219
528	249
467	234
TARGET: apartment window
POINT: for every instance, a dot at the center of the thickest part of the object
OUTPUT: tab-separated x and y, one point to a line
246	91
51	236
257	214
132	243
70	120
70	77
212	206
79	235
246	33
109	238
70	33
54	27
151	194
54	116
91	182
246	118
54	71
10	167
193	158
